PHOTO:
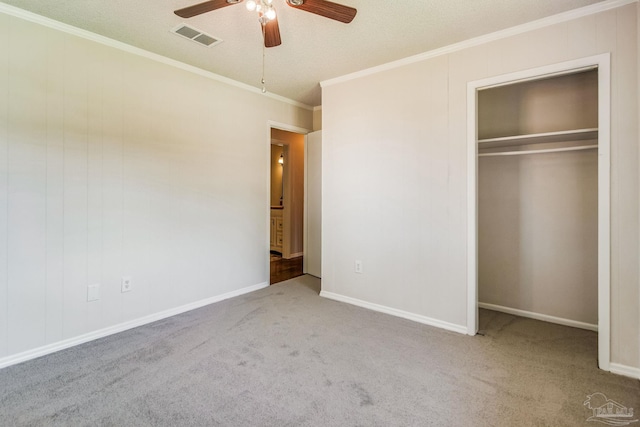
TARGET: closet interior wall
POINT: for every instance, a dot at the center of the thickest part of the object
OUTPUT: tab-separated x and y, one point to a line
537	212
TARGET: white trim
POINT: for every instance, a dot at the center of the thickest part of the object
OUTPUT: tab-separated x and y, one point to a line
627	371
81	339
539	316
287	127
603	61
509	32
604	210
472	211
395	312
305	206
88	35
297	254
554	74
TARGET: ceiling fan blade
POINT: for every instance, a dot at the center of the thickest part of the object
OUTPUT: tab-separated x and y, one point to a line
327	9
207	6
272	33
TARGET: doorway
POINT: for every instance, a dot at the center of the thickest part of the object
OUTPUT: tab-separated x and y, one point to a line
602	64
286	203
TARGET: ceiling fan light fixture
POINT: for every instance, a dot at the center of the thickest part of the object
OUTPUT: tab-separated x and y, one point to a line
270	14
267	15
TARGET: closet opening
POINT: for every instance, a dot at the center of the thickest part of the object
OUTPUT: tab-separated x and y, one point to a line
538	207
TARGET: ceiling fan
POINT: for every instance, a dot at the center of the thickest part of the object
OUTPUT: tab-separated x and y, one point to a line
267	15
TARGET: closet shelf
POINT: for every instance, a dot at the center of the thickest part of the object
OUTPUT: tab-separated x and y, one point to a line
539	138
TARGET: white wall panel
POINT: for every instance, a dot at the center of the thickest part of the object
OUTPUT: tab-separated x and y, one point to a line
55	187
76	110
624	155
388	212
466	65
395	172
582	36
137	162
112	188
116	165
4	177
27	121
537	234
95	93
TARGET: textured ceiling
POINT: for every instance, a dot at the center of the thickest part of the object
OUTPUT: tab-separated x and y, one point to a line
313	48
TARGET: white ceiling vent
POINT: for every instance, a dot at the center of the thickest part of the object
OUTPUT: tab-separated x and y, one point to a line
196	35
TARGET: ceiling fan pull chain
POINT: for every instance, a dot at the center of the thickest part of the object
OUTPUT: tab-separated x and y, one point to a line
264	50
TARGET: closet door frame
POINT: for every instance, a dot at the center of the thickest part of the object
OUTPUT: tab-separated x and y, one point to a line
603	62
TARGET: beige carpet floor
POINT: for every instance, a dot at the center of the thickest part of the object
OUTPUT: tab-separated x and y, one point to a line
283	356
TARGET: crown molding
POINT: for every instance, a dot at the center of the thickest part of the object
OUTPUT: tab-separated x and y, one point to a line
88	35
476	41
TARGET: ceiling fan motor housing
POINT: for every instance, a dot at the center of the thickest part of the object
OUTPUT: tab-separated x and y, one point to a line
268	21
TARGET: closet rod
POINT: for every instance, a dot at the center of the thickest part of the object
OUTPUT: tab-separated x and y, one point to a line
549	150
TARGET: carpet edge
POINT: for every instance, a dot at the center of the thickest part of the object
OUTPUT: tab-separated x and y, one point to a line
625	370
539	316
396	312
121	327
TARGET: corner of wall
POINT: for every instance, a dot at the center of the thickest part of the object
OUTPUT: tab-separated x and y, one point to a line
317	118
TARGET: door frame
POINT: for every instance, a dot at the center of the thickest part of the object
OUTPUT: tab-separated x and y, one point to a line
603	62
289	128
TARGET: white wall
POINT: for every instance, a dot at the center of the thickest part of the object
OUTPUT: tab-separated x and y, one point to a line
538	233
394	172
317	118
111	165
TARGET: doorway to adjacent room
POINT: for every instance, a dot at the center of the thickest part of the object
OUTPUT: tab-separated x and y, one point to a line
286	189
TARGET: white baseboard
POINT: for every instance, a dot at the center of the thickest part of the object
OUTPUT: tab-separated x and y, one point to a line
395	312
627	371
538	316
81	339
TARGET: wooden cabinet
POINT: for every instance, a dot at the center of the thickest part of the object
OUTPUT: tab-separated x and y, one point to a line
277	230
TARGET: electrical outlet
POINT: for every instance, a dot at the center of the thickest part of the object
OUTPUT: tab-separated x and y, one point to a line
358	266
93	292
126	284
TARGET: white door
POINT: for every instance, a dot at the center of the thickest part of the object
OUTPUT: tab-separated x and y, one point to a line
312	261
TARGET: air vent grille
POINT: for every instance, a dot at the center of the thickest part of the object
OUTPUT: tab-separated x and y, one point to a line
196	35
